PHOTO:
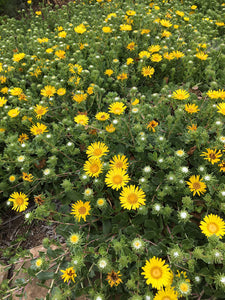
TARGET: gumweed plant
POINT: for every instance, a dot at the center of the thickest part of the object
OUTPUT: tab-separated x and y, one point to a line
112	132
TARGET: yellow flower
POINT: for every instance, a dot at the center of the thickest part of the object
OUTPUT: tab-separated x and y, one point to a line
20	201
130	12
80	96
177	54
114	278
154	48
13	112
117	108
4	90
23	137
148	71
48	91
110	128
168	56
119	161
201	55
80	29
68	274
222	166
145	31
97	149
180	13
38	13
193	127
125	27
151	125
221	94
144	54
38	129
212	155
27	177
38	262
93	167
18	56
180	94
3	79
165	23
196	185
80	210
60	54
107	29
116	178
109	72
212	224
130	61
135	102
44	40
167	293
81	119
16	91
166	33
75	69
102	116
62	34
156	273
40	111
61	91
2	101
49	50
156	57
131	46
132	197
191	108
74	238
221	108
122	76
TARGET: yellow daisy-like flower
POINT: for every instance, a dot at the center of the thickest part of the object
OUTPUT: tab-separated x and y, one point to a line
27	177
75	69
132	197
191	108
60	54
80	29
81	119
110	128
165	23
178	54
154	48
38	262
48	91
119	161
212	224
221	94
97	149
61	91
212	94
180	94
131	46
144	54
147	71
116	178
166	33
156	272
212	155
221	108
40	111
196	185
4	90
114	278
68	274
102	116
23	137
156	57
151	125
62	34
16	91
166	294
125	27
145	31
80	96
74	238
80	210
13	112
109	72
18	56
184	288
117	108
222	166
93	167
130	61
107	29
20	201
193	127
122	76
201	55
168	56
2	101
38	129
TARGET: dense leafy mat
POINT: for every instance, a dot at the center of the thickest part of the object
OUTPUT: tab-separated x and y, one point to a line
112	127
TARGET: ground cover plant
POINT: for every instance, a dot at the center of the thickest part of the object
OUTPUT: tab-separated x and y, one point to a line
112	128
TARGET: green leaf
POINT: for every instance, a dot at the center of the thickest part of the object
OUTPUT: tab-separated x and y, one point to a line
107	226
45	275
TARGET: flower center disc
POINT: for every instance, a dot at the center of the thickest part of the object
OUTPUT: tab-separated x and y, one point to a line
19	200
117	179
156	272
38	130
212	227
132	198
94	168
119	164
82	210
196	185
97	152
117	110
166	298
184	287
